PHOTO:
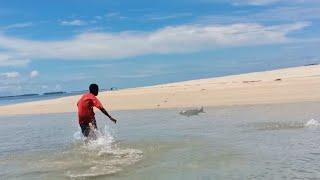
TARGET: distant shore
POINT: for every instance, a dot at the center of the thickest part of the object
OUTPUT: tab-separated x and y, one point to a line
299	84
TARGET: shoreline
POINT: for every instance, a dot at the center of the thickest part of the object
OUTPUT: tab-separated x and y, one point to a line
290	85
178	109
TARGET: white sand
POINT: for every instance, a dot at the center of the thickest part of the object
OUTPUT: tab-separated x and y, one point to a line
298	84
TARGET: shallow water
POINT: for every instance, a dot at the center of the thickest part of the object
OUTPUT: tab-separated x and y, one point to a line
240	142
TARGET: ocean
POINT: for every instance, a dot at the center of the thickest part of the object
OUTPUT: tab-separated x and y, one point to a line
7	100
278	141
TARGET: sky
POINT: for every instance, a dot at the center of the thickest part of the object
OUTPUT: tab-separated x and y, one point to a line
64	45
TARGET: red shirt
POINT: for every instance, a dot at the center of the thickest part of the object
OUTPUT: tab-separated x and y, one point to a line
85	107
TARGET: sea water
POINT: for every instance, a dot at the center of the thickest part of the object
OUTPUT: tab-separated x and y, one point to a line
240	142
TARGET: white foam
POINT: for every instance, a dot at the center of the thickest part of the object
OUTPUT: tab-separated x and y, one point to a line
105	154
312	123
77	135
104	140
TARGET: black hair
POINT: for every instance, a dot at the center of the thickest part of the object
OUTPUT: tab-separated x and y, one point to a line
94	89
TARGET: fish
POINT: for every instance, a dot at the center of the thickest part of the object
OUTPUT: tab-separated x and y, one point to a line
191	112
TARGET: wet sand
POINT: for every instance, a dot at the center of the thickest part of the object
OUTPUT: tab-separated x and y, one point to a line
299	84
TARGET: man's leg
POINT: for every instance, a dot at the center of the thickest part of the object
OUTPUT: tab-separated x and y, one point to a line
85	129
91	132
94	123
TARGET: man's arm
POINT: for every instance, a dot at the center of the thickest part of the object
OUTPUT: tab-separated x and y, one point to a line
107	114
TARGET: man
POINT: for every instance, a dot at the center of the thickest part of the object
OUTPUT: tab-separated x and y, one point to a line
86	115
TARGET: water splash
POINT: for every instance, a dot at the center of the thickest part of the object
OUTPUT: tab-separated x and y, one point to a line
312	123
102	156
103	140
77	135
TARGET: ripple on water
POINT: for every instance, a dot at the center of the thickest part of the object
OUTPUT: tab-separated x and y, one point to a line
80	160
278	125
102	162
267	126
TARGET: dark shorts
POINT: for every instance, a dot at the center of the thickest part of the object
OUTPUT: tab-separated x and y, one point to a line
85	128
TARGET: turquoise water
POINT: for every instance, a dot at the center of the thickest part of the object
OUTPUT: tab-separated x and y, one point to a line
240	142
6	100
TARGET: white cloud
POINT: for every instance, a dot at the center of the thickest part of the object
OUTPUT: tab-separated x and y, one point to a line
12	60
76	22
34	74
277	14
44	86
98	17
10	74
270	2
294	13
112	14
10	83
255	2
154	17
18	25
58	87
177	39
115	15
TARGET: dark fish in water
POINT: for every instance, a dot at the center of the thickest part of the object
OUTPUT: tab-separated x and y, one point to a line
191	112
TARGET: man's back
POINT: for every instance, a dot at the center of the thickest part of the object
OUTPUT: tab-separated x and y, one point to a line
85	107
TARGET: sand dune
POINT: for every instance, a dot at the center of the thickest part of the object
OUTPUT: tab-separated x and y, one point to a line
297	84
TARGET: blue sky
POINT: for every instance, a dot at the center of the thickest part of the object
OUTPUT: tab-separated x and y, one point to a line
66	45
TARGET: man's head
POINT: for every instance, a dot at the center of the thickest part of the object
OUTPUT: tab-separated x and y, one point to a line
94	89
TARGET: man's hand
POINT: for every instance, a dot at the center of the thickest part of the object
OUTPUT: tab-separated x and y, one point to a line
107	114
113	119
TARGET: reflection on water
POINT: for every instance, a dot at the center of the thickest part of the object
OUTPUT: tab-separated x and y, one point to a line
241	142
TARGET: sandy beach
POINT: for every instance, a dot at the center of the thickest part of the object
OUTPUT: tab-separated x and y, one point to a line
298	84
